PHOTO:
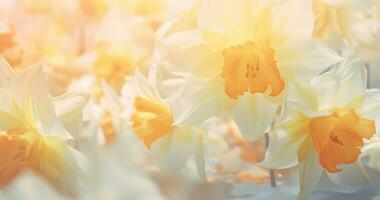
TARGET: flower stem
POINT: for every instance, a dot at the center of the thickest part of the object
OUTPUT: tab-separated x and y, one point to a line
272	173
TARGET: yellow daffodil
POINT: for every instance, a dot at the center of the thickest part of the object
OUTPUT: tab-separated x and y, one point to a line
324	127
241	57
153	121
32	132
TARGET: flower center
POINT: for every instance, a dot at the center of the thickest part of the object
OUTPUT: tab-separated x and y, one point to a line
339	137
23	148
151	120
251	68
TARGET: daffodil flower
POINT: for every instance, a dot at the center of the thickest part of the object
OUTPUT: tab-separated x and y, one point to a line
153	121
241	57
109	119
324	127
342	22
32	132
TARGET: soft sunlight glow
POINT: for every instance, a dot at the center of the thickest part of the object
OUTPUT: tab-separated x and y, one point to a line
189	99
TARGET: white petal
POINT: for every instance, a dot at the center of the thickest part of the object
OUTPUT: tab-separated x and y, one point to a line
309	174
293	18
325	88
302	59
341	87
200	100
174	150
353	175
69	108
282	151
73	172
167	83
5	69
353	83
302	96
30	90
144	87
111	98
184	49
254	114
233	19
370	109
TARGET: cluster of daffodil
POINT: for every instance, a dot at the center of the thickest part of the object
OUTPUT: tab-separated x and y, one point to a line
188	99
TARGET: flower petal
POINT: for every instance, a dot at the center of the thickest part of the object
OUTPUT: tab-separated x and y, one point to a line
174	150
184	49
200	100
253	115
29	89
352	176
5	69
370	109
167	83
309	174
353	81
69	109
338	88
293	18
282	151
232	19
302	59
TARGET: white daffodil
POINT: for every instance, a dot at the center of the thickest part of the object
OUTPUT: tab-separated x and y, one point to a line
109	119
341	23
325	126
32	132
241	57
153	121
